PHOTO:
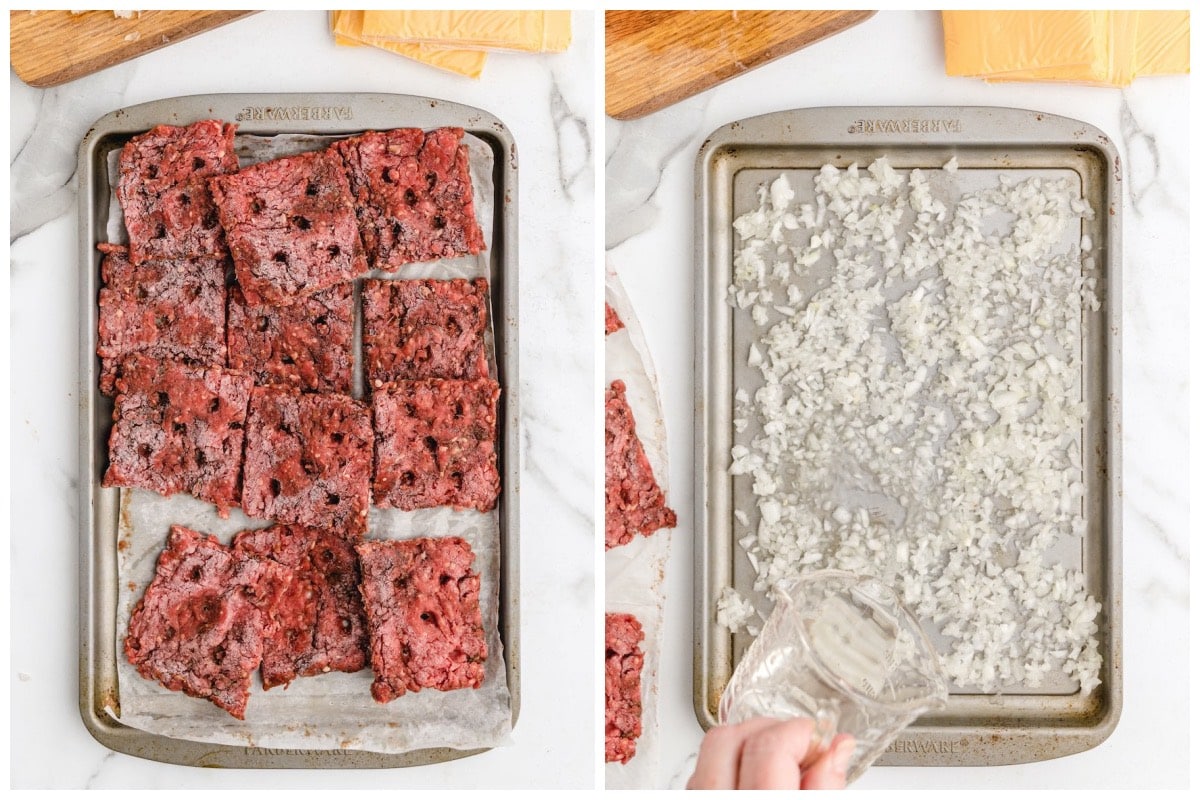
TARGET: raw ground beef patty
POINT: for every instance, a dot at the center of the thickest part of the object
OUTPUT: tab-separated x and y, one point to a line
435	444
201	625
413	195
307	345
178	428
622	686
291	227
612	322
424	329
422	603
163	190
308	459
331	634
633	502
164	309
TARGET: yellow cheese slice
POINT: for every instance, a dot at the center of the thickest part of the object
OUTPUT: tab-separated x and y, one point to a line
529	31
1069	45
347	31
1163	42
1122	39
1123	44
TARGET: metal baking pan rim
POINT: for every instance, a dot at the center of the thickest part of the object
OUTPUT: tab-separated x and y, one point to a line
833	126
261	113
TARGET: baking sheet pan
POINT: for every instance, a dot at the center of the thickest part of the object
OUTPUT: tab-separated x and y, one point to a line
1016	725
271	115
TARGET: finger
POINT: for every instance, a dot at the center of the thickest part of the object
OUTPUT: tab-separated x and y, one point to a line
829	771
717	762
771	757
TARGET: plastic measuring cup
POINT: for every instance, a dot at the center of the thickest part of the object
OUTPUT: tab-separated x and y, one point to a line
842	650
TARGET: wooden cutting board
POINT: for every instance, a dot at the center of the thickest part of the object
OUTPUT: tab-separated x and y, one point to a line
47	48
655	58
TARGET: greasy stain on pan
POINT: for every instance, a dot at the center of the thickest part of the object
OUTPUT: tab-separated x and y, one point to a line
1017	724
267	115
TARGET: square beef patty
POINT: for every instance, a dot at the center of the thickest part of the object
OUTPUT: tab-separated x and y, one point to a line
164	194
168	310
424	329
307	345
435	444
413	195
202	623
290	226
178	428
331	634
422	603
308	459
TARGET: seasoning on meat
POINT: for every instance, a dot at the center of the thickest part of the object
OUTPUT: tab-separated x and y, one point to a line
290	226
308	459
178	428
331	632
413	195
307	345
423	617
424	329
623	661
612	322
168	310
435	444
202	623
633	502
164	194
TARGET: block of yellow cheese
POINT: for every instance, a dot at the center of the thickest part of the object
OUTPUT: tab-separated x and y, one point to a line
1163	43
1075	44
1056	46
529	31
1122	40
347	31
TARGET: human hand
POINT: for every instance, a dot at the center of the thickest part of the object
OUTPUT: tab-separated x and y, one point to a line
764	753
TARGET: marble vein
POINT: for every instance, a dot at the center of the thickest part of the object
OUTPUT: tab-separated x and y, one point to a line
108	757
1141	150
1147	173
573	139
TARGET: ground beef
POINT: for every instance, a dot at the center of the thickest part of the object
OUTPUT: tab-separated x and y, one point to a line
163	309
308	459
331	633
201	626
422	603
633	502
307	345
424	329
435	444
622	686
290	226
163	191
612	322
413	195
178	428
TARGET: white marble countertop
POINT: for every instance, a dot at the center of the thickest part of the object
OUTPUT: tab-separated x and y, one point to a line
548	103
896	58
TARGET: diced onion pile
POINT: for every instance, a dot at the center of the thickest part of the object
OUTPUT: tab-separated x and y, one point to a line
921	412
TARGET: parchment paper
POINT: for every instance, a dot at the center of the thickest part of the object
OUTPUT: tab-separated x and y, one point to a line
633	573
335	710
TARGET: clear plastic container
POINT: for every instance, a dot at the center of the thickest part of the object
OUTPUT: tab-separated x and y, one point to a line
843	651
